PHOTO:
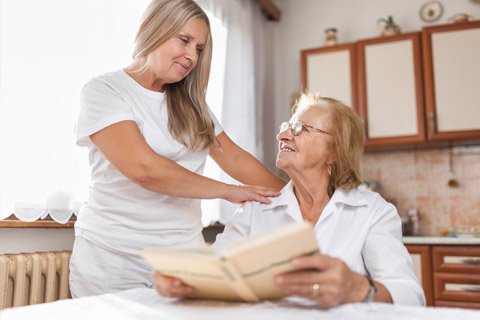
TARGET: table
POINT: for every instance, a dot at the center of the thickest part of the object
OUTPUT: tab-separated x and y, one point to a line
146	304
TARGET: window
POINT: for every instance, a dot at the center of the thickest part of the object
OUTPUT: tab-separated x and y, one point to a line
48	51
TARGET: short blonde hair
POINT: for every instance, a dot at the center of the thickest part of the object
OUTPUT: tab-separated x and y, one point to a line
189	119
347	139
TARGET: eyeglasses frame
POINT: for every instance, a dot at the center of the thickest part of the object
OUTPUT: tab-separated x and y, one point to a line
302	125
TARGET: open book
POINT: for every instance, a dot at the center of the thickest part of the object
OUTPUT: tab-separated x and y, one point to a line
244	271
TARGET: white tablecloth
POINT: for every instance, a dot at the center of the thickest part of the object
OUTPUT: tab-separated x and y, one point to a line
146	304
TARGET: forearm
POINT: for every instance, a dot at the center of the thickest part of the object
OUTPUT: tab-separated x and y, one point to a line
167	177
248	170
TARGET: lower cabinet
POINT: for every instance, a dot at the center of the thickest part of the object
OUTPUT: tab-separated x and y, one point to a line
450	275
422	264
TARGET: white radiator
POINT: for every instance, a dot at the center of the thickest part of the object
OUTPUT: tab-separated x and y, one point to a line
31	278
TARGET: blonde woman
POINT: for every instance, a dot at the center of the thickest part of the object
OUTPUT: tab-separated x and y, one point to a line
148	131
359	234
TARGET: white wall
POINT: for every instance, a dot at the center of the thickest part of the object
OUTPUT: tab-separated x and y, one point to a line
302	26
15	240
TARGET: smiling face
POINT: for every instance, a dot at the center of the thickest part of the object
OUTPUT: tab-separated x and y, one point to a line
174	59
309	151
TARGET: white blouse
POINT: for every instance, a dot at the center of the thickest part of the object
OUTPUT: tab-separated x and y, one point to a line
358	227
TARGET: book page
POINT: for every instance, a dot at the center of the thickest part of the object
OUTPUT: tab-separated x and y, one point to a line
260	258
200	268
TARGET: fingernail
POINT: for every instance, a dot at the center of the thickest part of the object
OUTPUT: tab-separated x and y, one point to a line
296	262
279	280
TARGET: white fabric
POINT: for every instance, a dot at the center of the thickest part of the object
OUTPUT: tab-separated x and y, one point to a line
121	216
243	94
359	227
95	270
146	304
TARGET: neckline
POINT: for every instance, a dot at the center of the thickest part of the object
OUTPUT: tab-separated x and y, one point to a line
142	89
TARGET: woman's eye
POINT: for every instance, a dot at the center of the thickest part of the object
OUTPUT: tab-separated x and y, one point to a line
199	50
184	40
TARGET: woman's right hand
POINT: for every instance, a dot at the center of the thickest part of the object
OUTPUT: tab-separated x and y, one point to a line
170	286
240	194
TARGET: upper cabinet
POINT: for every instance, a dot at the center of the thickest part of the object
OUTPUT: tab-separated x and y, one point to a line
415	88
390	89
330	71
452	81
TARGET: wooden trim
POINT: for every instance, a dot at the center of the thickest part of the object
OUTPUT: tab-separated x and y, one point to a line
457	304
430	101
441	293
439	253
426	260
13	222
270	10
362	90
351	48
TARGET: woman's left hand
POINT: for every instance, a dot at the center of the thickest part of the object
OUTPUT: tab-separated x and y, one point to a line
326	280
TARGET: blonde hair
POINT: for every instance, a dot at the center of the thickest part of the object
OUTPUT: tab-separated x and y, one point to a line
347	139
189	120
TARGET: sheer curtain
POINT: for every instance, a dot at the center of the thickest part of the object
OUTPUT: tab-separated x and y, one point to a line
242	95
48	51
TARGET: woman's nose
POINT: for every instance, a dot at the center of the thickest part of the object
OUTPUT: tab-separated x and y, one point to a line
285	135
192	54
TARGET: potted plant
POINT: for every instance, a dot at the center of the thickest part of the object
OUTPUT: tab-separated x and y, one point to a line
388	27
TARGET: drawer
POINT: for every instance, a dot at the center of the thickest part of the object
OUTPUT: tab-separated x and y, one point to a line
457	259
457	287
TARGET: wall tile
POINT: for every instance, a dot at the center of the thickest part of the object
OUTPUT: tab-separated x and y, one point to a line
419	179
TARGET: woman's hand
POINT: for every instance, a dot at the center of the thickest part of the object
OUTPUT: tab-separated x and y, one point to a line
170	286
242	193
324	279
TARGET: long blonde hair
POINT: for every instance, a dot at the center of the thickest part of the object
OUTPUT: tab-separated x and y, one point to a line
346	143
189	120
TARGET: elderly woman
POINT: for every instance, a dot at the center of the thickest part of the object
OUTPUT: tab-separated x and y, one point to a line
359	234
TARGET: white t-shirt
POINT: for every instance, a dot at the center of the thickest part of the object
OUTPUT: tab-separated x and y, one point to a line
358	227
120	215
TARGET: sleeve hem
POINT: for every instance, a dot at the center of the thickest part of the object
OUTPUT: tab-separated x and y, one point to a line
83	136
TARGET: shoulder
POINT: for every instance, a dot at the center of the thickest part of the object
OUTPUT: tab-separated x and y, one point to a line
373	199
369	202
106	84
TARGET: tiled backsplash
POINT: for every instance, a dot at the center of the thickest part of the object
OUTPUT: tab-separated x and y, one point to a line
419	179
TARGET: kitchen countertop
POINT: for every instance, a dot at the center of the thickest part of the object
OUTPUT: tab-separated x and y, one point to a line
441	240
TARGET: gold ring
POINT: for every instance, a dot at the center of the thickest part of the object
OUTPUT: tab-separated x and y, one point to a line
315	289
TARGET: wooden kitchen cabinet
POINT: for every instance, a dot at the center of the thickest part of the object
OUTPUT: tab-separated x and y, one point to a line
456	271
412	89
422	264
390	90
331	71
452	81
449	274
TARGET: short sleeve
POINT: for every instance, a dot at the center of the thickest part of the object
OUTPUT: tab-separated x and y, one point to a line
100	107
217	125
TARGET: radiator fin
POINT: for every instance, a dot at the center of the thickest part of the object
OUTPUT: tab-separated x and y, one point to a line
32	278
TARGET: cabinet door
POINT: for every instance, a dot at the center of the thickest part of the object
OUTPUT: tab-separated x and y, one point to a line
422	264
456	276
452	81
391	90
330	71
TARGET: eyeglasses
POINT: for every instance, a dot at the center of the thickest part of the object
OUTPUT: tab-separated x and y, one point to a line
298	126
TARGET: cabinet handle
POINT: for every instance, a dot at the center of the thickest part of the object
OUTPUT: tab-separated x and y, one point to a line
462	287
433	124
464	260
